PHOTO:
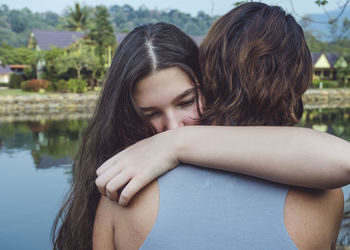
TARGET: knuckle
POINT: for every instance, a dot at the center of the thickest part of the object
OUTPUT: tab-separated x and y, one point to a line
98	182
124	197
109	188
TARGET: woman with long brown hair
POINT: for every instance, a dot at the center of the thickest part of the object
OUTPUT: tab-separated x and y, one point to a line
120	120
250	51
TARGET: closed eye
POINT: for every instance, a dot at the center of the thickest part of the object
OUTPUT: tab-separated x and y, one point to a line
187	102
152	115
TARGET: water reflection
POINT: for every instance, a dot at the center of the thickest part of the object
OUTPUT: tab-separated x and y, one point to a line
52	144
333	121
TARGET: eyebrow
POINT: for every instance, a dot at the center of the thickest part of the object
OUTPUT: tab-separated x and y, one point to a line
176	99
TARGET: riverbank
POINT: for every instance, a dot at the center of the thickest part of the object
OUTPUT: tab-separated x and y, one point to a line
61	105
327	98
48	103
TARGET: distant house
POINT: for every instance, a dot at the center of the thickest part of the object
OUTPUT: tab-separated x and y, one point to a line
68	40
18	68
44	39
71	41
5	72
325	65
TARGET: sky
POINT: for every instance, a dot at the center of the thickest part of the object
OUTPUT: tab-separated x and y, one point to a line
212	7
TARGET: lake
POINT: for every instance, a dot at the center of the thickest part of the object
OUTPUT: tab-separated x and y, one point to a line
35	164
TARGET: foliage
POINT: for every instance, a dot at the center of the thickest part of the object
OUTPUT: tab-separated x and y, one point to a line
10	55
102	34
34	85
62	86
339	46
343	73
76	19
125	18
51	86
15	81
325	83
50	57
239	3
15	25
75	61
77	85
321	2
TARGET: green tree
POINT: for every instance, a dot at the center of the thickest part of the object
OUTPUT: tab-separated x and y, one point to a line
74	61
344	72
50	57
84	58
76	19
239	3
10	55
102	34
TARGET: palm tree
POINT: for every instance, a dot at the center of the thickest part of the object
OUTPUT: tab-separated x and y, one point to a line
77	18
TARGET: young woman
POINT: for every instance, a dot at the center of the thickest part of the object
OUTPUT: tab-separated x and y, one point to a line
158	51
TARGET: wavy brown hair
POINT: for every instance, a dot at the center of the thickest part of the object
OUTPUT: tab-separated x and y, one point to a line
117	122
256	65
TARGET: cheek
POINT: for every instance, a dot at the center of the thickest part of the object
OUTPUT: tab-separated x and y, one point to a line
157	124
191	116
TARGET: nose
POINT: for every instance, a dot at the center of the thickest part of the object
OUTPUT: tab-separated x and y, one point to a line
173	121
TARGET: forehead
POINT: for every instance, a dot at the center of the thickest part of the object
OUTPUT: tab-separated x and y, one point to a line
161	87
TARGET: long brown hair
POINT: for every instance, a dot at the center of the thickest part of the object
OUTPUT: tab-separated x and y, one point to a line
256	65
117	122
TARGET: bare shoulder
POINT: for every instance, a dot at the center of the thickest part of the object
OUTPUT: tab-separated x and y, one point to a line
128	226
103	225
313	217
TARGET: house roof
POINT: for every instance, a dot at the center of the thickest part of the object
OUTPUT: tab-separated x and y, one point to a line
61	39
5	70
331	57
315	56
18	66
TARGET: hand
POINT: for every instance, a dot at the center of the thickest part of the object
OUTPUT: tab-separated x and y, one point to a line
137	166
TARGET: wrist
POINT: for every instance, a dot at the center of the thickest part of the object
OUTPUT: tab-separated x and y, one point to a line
180	143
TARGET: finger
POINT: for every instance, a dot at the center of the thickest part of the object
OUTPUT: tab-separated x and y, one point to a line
115	184
102	180
132	188
106	165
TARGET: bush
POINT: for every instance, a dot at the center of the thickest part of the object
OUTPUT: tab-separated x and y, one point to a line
325	83
61	86
51	86
24	85
77	85
4	84
15	81
34	85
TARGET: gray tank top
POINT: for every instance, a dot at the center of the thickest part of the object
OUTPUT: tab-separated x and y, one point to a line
210	209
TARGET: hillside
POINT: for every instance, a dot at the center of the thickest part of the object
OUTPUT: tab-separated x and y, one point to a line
15	25
322	29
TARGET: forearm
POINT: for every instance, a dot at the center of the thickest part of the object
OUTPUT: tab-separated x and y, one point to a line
295	156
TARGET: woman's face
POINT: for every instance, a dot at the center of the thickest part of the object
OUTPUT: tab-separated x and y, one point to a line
168	99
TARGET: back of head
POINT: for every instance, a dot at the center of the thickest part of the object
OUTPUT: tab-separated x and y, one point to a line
256	65
117	121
